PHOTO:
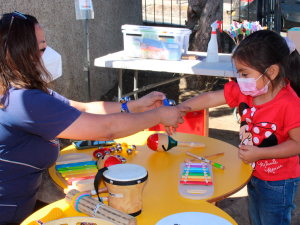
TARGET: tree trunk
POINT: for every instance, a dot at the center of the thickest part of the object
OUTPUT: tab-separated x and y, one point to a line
201	14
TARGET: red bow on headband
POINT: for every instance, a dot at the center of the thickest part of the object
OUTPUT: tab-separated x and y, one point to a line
261	130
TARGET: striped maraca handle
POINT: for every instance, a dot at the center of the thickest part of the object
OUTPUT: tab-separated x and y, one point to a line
191	144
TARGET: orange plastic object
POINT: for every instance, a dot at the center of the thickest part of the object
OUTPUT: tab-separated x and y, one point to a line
194	123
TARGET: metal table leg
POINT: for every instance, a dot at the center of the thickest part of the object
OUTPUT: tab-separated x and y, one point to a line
135	83
120	89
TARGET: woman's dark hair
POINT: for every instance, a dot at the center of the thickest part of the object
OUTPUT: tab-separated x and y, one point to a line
20	65
265	48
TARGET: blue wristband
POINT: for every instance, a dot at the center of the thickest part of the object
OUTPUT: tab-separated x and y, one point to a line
125	108
169	102
166	102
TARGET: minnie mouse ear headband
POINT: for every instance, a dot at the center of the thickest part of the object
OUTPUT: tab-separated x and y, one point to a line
290	44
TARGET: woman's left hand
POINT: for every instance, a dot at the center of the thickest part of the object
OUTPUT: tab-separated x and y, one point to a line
150	101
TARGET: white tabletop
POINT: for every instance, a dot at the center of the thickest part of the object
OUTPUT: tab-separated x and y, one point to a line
224	67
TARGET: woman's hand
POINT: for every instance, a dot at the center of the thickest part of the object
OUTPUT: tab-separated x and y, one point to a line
171	116
150	101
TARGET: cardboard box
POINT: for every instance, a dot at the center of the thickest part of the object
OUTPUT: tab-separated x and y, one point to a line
294	35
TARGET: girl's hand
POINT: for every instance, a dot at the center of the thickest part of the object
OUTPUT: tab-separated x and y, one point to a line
172	116
170	130
150	101
249	153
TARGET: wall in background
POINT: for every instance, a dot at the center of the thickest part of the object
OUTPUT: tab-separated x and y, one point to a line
64	34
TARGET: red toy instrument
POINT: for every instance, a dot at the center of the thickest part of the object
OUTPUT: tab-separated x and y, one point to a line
163	142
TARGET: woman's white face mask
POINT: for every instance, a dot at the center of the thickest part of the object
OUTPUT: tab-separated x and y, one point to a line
52	62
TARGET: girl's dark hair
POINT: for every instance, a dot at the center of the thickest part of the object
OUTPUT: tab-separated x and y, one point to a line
20	65
265	48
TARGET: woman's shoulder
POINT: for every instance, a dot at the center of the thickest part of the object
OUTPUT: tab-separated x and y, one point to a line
18	97
26	93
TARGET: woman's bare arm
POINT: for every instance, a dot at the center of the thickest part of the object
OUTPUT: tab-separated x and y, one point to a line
107	127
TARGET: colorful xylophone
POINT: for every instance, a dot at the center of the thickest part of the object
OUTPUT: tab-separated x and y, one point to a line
195	181
77	175
196	173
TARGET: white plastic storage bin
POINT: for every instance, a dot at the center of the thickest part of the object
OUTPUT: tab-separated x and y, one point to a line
155	42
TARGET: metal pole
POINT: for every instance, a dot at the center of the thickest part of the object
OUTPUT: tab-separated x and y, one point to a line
120	85
135	83
277	16
171	11
179	12
154	11
150	86
86	62
162	9
86	59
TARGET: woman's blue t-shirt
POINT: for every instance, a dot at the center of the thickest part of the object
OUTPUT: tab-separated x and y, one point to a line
29	124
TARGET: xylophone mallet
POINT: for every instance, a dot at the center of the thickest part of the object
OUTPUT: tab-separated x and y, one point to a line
163	142
187	160
206	160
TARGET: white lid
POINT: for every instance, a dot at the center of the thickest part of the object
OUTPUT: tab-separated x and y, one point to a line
156	29
193	218
125	172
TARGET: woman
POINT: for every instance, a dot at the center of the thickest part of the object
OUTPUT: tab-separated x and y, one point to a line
33	116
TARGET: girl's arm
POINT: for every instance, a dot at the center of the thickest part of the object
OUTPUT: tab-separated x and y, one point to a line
199	102
205	100
286	149
147	102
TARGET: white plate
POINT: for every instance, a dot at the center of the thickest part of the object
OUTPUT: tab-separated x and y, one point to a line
75	220
193	218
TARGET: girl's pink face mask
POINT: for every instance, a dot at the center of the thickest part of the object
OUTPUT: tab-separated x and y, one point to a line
248	86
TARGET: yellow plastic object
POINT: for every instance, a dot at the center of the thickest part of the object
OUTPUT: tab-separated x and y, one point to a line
54	214
124	146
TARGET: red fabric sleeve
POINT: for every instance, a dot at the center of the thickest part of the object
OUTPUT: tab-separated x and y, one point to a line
232	93
291	115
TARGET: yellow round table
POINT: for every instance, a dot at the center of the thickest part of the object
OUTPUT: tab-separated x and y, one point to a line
160	196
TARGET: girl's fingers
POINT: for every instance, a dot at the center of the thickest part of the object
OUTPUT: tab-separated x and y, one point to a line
168	130
181	121
174	130
243	147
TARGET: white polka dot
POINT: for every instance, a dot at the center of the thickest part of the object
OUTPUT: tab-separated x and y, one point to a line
252	114
244	111
256	130
268	134
247	128
248	120
273	127
255	140
264	124
253	109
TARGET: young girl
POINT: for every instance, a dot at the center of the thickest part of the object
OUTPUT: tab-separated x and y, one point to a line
266	95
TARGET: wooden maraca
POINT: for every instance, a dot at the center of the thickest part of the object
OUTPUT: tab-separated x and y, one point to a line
163	142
